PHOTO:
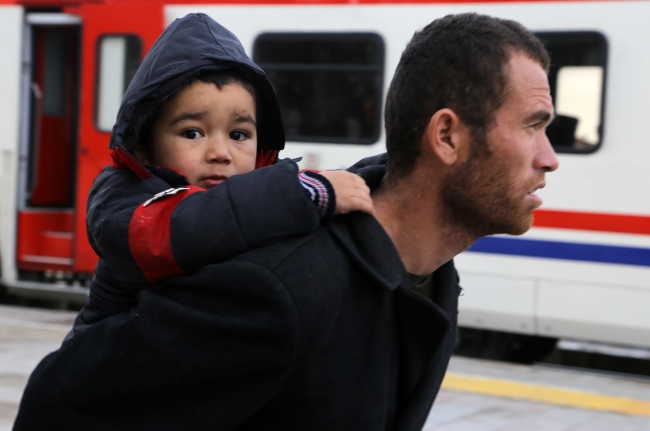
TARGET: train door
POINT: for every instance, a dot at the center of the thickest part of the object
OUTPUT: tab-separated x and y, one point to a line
116	38
77	66
47	154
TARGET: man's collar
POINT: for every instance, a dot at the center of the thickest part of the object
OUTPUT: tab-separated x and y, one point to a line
368	244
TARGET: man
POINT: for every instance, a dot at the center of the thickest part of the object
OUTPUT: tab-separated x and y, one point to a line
325	331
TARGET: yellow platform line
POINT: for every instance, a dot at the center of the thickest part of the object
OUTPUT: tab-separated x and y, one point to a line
545	394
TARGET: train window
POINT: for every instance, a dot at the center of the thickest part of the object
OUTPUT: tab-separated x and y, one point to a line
119	57
56	64
329	85
577	78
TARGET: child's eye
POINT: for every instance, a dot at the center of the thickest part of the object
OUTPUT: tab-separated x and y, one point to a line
238	135
191	134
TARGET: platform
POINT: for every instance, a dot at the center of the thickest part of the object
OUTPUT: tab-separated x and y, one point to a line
26	336
477	395
481	395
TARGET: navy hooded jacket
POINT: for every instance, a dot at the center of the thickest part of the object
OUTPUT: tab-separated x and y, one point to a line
186	227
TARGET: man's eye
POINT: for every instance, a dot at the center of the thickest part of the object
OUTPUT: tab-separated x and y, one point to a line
191	134
238	135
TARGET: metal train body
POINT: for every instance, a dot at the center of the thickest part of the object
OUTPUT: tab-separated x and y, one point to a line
583	270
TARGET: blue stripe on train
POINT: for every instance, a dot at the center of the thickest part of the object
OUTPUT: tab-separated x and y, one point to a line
563	250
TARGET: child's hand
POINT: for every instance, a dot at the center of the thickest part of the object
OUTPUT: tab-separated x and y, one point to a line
352	193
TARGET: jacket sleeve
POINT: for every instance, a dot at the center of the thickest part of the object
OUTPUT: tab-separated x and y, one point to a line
113	198
179	233
199	352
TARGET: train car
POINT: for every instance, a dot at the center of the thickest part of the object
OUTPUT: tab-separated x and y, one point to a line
583	270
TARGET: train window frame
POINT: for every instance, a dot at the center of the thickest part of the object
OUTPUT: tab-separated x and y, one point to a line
129	71
376	70
600	53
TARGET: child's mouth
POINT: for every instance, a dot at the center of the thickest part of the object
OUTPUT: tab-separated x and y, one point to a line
213	180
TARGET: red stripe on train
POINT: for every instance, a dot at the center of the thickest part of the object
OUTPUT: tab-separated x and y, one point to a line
74	3
368	2
618	223
374	2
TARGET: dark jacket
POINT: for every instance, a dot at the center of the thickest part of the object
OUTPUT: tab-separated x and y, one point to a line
140	245
319	332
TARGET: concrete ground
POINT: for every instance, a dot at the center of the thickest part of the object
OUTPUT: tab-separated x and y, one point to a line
474	407
476	396
26	336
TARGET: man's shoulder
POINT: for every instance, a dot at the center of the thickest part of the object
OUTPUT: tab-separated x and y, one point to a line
354	240
288	250
325	245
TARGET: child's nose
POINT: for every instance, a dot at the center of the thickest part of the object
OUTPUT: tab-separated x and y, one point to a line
218	151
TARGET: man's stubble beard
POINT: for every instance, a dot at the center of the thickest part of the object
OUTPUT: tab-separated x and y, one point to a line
480	197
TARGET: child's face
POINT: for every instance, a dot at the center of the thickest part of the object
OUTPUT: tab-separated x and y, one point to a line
207	134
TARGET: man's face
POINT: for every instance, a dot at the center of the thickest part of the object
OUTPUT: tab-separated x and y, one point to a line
495	192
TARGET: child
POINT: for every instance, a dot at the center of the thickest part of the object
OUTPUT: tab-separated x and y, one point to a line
198	113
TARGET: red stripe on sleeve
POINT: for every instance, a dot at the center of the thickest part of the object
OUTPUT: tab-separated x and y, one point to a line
150	237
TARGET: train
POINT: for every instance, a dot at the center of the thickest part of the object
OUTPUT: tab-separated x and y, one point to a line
583	270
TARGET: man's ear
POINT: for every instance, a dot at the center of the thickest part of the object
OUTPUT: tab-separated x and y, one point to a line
447	136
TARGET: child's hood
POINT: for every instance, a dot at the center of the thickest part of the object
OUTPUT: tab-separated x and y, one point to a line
191	45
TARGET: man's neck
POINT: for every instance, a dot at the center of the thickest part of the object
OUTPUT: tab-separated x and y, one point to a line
425	239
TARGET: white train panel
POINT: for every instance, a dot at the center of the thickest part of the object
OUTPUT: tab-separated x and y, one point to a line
11	35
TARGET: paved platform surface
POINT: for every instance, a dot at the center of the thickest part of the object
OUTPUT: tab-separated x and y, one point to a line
476	396
472	406
26	336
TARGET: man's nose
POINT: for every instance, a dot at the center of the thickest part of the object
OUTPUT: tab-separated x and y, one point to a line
218	150
546	157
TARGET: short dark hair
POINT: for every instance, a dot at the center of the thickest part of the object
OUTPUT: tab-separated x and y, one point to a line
456	62
148	113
